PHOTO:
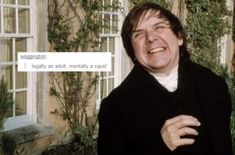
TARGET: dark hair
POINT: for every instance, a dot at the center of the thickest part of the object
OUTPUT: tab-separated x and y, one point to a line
133	18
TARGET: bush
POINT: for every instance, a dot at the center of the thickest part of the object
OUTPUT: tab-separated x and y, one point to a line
6	102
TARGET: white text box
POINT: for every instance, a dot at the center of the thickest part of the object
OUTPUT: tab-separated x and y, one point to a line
64	61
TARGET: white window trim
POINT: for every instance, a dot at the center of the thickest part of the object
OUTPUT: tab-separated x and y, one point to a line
31	116
117	55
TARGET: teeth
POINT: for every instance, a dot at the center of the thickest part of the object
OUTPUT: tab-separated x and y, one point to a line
155	50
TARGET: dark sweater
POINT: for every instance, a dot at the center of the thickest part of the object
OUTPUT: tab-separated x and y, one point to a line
131	117
187	102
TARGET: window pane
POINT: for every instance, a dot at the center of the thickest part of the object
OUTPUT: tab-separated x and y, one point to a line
103	88
103	75
6	72
10	112
9	1
115	24
115	5
111	84
103	47
6	50
23	2
21	79
112	72
100	17
24	21
111	45
9	20
21	46
106	23
0	21
20	103
107	5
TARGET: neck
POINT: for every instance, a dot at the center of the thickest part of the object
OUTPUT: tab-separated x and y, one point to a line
166	72
170	81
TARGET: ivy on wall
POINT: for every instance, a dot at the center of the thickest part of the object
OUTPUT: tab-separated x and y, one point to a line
62	34
74	25
207	21
163	3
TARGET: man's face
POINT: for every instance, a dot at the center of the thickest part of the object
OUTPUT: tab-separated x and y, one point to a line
155	45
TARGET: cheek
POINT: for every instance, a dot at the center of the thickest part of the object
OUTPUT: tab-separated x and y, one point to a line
137	47
171	39
174	44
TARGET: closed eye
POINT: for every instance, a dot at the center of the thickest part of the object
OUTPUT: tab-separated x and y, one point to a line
159	27
137	34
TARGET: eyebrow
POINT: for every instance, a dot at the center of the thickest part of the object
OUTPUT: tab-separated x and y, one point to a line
137	30
165	22
156	24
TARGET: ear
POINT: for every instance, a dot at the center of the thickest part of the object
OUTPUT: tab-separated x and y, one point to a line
180	39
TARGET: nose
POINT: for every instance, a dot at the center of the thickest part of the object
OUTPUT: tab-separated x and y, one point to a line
150	36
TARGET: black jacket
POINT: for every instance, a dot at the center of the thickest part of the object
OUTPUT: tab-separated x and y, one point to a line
131	117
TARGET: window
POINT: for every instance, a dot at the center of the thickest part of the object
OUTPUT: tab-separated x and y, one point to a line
16	36
110	42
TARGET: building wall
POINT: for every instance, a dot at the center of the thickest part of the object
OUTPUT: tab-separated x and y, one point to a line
179	8
49	129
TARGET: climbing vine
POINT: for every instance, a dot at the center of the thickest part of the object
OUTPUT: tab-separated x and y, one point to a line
205	25
163	3
61	32
6	102
74	25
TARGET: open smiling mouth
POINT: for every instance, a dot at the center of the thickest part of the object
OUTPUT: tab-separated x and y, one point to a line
156	50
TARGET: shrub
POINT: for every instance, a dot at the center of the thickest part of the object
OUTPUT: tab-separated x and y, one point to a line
6	102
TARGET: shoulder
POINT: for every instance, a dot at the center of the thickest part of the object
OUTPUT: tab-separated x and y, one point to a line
138	79
203	74
207	82
211	87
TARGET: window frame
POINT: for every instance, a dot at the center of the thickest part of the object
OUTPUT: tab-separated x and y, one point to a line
116	56
30	116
